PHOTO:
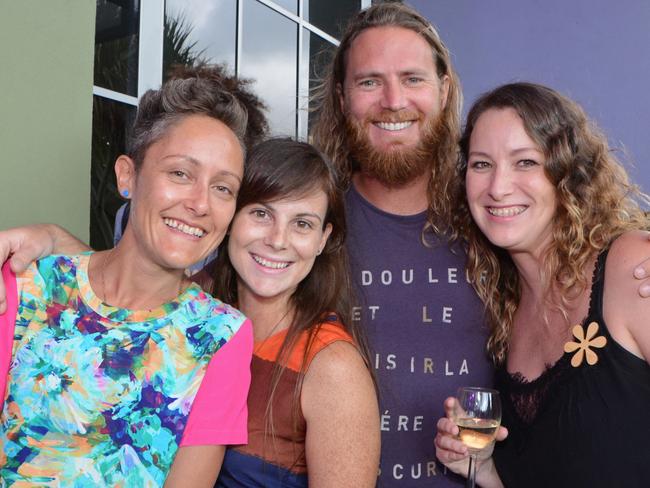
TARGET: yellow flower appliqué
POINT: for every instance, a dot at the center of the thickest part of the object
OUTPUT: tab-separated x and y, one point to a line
584	343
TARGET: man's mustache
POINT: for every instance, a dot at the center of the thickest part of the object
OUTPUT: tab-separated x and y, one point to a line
389	116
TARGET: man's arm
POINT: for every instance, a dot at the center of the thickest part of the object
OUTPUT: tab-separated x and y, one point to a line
22	245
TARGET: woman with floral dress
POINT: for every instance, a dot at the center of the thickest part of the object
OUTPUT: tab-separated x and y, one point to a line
119	371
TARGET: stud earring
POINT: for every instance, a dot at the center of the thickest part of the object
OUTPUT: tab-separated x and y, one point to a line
125	193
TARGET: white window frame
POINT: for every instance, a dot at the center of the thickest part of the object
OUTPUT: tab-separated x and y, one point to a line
150	53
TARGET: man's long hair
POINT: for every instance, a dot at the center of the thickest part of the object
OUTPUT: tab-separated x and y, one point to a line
329	129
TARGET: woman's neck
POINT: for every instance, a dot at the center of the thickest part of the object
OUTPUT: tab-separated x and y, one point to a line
537	293
529	268
269	315
544	319
121	277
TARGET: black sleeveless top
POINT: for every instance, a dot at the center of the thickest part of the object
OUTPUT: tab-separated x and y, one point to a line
585	426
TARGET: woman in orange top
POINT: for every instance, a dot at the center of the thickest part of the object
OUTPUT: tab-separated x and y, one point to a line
313	415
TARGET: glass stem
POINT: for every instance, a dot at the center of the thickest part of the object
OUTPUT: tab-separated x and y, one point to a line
471	473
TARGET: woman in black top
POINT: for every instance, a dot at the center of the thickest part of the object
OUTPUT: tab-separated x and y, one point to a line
553	233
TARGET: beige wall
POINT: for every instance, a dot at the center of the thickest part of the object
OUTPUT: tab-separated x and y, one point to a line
46	56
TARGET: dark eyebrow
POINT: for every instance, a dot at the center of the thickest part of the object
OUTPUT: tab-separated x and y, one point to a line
308	214
479	154
526	149
196	162
300	215
512	153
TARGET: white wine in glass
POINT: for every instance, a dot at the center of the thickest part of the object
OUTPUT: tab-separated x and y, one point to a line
476	433
477	414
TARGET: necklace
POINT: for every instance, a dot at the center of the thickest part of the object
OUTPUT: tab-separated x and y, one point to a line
101	273
103	279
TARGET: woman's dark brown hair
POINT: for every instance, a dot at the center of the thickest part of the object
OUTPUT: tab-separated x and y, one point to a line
283	168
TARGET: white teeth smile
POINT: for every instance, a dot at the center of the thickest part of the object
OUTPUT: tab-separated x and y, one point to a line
270	264
186	229
506	211
393	126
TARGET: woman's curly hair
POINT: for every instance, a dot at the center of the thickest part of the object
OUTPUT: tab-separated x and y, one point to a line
595	204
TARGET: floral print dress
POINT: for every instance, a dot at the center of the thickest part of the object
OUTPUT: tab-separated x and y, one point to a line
97	395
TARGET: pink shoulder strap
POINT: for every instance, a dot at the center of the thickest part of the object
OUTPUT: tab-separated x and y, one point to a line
7	325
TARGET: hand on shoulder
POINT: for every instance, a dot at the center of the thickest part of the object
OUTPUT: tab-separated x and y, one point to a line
23	245
625	311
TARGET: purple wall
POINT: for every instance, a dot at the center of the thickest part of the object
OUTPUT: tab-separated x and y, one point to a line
594	51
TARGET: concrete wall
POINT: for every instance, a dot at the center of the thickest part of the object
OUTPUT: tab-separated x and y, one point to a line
46	53
594	51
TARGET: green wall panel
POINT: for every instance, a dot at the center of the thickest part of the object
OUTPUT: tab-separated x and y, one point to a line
46	55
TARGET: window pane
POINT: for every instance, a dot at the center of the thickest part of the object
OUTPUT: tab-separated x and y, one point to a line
112	121
316	54
116	45
269	56
330	16
290	5
199	31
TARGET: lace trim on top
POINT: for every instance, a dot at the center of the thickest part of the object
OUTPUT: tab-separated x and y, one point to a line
529	397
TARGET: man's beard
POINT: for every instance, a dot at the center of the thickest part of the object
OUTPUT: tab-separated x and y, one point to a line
398	165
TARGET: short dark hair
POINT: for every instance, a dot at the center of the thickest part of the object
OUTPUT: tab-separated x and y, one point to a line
202	91
257	127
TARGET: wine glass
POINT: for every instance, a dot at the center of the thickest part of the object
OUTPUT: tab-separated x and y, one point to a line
478	415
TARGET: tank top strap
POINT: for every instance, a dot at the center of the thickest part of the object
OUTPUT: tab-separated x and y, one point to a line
624	358
307	345
595	313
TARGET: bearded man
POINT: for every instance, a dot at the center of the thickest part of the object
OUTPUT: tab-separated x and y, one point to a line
388	116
